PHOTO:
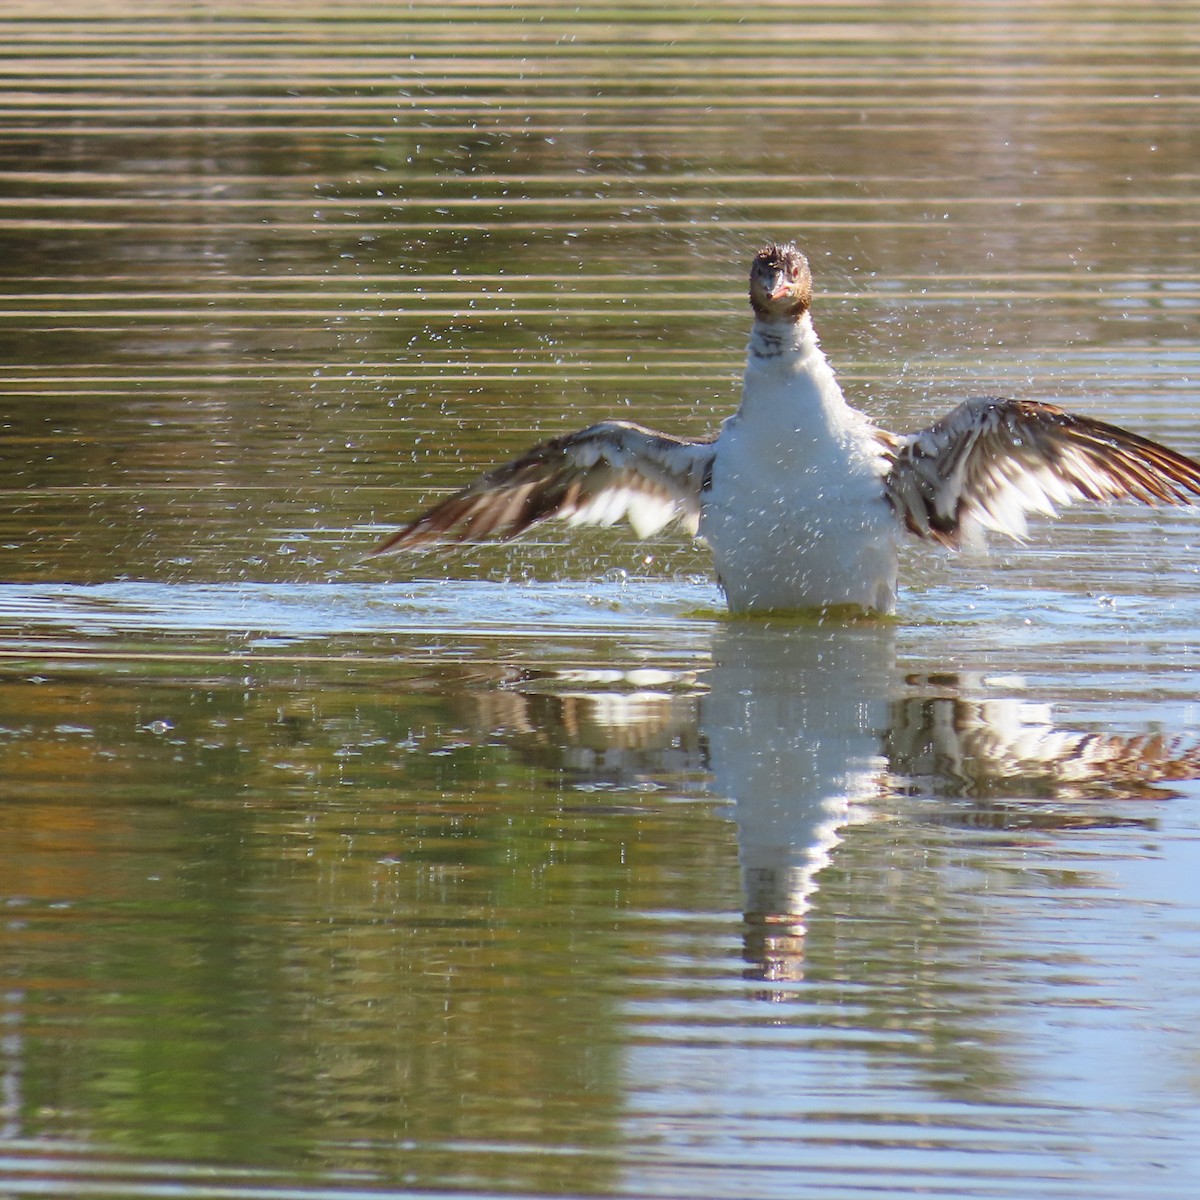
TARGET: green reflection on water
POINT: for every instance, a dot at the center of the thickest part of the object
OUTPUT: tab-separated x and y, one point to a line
279	915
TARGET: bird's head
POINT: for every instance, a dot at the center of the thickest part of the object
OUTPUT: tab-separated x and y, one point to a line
780	283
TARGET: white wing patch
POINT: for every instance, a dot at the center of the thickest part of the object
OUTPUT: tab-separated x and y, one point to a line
646	513
608	472
990	462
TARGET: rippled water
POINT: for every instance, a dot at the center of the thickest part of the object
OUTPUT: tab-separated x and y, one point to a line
523	870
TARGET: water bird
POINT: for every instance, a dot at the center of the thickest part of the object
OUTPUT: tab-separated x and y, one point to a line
801	498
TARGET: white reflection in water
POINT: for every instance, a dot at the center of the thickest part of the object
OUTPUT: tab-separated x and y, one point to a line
793	723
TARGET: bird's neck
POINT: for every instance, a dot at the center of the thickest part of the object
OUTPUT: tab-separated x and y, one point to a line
773	337
788	378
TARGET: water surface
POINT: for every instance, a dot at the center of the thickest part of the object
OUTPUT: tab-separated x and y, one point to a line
522	870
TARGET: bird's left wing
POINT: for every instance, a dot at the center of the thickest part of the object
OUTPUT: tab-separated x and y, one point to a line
594	477
991	461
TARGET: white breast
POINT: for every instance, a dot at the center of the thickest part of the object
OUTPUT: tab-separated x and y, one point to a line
796	514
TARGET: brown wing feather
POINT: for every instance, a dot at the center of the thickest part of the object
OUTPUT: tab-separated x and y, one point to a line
597	476
990	461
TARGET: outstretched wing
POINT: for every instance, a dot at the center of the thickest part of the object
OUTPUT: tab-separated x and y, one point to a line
991	461
594	477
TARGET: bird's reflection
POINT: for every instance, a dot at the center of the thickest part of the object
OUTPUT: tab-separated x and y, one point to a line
806	729
794	720
991	752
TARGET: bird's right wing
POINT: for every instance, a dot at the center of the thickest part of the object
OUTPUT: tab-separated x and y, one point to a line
597	476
